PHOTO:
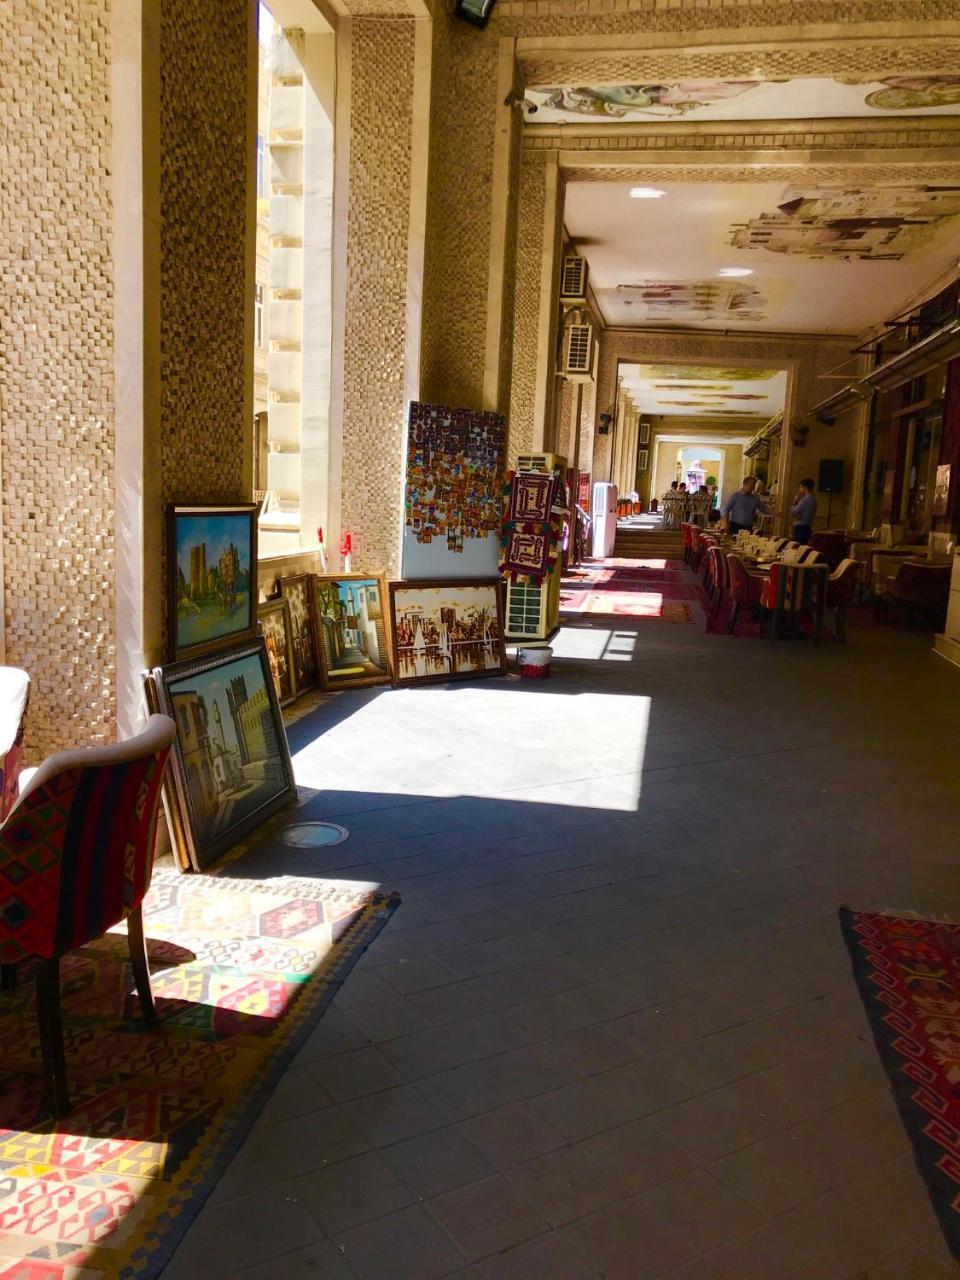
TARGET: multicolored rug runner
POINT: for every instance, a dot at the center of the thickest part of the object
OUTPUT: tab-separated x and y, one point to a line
908	974
241	971
633	604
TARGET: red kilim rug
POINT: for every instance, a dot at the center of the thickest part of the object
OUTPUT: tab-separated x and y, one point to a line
241	970
908	973
654	604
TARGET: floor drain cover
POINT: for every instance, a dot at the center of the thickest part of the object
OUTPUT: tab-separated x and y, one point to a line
313	835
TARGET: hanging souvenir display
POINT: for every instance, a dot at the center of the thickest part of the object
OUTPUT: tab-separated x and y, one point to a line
532	526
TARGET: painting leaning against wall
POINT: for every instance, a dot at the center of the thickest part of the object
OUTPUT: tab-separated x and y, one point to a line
352	630
211	599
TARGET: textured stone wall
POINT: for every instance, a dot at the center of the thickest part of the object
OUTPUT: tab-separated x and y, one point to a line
378	229
526	311
462	125
56	367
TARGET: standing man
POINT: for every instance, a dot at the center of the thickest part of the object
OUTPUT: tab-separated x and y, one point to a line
804	511
740	509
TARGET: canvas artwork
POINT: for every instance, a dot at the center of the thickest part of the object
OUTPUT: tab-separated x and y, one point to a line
453	480
446	631
306	665
354	649
211	571
799	98
882	224
231	762
275	627
941	492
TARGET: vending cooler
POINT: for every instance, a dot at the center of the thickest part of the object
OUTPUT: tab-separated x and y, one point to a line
604	518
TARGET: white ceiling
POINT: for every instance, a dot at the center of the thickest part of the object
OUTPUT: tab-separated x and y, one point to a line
700	391
669	251
801	99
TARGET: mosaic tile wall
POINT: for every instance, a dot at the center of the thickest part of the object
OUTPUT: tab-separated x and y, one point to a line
382	60
56	367
462	120
526	314
203	193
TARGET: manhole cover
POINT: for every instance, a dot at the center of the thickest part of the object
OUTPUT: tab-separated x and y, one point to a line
313	835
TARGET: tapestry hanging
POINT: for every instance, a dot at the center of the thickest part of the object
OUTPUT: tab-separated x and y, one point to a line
452	503
532	527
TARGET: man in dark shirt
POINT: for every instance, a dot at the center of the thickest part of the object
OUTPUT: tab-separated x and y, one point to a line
804	511
740	509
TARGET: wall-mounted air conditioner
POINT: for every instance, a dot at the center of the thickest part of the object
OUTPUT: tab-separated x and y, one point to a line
573	280
576	357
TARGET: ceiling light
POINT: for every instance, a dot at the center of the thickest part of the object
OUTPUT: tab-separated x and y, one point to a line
732	272
646	193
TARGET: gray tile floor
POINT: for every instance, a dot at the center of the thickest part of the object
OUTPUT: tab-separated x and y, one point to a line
611	1032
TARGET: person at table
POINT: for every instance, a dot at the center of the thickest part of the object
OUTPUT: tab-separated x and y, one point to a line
740	509
804	511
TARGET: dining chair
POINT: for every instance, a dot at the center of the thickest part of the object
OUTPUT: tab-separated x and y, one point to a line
76	857
14	697
841	586
917	588
795	589
745	588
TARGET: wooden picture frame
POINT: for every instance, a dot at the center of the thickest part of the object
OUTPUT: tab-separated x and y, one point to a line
296	590
431	657
230	764
211	577
274	618
349	619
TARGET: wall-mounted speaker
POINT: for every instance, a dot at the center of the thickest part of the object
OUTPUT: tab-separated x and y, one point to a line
830	478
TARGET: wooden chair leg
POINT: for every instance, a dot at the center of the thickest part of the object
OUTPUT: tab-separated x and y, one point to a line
8	977
733	617
137	946
56	1096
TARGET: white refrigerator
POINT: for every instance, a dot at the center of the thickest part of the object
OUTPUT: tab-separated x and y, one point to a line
604	518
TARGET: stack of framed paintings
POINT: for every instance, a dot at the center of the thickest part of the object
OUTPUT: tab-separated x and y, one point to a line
231	765
339	638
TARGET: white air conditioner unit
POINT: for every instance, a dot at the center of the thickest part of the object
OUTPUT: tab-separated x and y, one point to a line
573	280
543	462
577	354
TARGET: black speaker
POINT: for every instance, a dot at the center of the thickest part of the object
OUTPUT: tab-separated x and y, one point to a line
830	479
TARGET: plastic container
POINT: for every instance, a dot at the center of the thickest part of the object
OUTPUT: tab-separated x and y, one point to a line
535	663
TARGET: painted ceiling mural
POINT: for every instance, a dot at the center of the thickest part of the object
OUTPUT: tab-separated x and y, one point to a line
882	224
692	390
796	99
693	300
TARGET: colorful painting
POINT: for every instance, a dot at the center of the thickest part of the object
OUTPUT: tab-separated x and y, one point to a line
446	631
351	628
882	223
276	630
696	300
453	491
801	98
306	664
211	575
232	765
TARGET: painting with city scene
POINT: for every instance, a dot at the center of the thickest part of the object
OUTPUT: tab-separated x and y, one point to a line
232	765
306	665
351	628
446	631
275	626
211	559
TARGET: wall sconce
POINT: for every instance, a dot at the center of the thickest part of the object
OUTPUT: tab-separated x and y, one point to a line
798	436
475	12
604	423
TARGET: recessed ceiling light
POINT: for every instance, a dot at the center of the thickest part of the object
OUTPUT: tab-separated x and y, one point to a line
646	193
735	271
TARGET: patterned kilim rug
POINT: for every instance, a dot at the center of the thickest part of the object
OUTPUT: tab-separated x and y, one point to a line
241	971
908	973
652	605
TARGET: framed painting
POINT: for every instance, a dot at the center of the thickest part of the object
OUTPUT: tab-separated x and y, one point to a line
297	592
275	627
644	432
352	631
230	764
211	577
446	631
643	459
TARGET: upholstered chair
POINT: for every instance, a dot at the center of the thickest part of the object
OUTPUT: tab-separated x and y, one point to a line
832	544
795	589
686	534
14	696
76	857
841	587
917	588
745	588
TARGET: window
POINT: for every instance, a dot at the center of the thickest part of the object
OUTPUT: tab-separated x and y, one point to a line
258	316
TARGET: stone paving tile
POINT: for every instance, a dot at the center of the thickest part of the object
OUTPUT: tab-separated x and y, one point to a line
602	1036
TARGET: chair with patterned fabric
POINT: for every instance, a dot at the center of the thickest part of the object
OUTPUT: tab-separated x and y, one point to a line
841	588
716	578
14	696
745	588
793	590
76	857
685	533
696	548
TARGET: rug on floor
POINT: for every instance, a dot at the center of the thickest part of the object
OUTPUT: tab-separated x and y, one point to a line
241	970
908	975
650	605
